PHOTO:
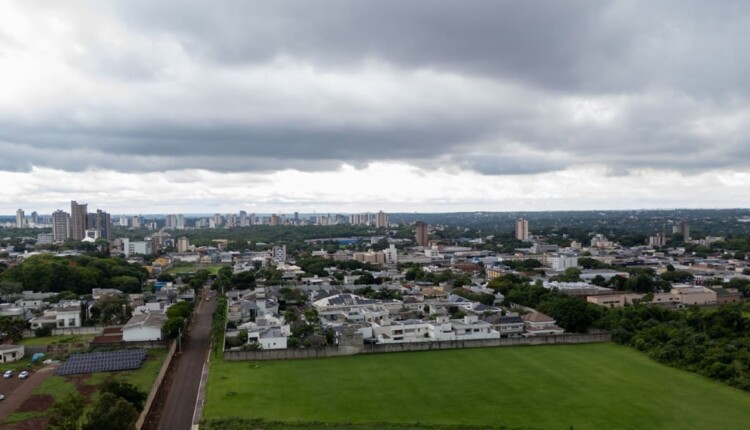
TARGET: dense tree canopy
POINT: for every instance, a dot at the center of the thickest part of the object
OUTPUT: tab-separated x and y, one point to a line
79	274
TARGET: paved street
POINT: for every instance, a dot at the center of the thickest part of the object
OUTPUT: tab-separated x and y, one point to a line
180	403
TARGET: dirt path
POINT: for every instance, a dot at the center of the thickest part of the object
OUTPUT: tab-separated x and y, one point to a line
18	390
181	401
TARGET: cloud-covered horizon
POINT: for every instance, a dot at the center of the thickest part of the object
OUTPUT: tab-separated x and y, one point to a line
487	89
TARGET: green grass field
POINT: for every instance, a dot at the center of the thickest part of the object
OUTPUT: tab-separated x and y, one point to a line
213	269
596	386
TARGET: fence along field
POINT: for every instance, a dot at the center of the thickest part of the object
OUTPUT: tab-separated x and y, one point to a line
591	386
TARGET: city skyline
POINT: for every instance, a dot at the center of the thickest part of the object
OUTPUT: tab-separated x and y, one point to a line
517	106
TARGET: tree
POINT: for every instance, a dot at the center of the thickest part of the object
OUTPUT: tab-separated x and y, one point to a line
165	277
290	316
43	331
173	325
311	315
242	336
114	310
11	329
127	391
127	284
67	413
111	412
181	309
243	280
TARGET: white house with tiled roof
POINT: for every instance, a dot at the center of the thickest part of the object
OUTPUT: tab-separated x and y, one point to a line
539	324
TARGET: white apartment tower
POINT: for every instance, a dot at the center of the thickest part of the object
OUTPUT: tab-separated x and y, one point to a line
60	226
20	220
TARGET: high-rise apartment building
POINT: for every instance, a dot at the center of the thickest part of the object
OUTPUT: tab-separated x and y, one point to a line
657	241
180	222
243	219
20	220
101	222
420	233
685	231
275	219
170	221
279	254
60	226
183	244
78	220
522	229
381	220
34	218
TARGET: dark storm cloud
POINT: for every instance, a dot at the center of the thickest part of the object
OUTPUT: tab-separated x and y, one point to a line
496	87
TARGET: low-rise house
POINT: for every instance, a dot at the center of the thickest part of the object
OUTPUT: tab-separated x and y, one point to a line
11	353
442	329
150	307
467	328
331	307
33	304
539	324
400	331
666	299
269	332
98	293
66	315
268	338
507	326
727	295
144	327
690	295
13	311
613	300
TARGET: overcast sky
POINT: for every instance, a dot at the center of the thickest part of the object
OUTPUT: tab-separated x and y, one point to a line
277	106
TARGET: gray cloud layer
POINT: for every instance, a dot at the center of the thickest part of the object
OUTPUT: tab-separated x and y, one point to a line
495	87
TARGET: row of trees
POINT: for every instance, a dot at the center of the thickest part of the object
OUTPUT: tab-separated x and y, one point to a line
712	342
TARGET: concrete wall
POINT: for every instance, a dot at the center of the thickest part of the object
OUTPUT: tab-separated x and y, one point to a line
332	351
70	331
156	387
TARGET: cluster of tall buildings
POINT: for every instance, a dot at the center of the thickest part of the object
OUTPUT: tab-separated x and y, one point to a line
379	219
243	219
23	222
79	224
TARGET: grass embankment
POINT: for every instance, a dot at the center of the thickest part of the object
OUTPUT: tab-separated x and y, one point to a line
547	387
60	386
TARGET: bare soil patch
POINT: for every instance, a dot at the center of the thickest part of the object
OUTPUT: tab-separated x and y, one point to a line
37	403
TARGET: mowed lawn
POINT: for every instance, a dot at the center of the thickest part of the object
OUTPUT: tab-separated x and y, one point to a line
596	386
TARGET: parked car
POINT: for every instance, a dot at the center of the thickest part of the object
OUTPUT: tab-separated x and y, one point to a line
8	374
2	397
23	375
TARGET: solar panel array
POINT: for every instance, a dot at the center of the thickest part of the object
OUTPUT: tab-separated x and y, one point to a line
103	362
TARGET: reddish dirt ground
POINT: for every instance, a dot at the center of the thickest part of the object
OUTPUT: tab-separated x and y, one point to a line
80	382
37	402
35	424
